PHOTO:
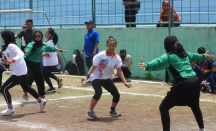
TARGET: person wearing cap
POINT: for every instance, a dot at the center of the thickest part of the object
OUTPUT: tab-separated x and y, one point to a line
126	63
91	43
204	65
209	85
130	11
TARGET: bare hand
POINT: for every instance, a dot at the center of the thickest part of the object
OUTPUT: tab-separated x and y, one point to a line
94	53
205	72
27	52
128	84
126	3
9	62
209	57
45	54
81	54
83	79
142	65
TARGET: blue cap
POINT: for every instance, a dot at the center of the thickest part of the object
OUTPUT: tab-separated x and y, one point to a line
89	22
214	63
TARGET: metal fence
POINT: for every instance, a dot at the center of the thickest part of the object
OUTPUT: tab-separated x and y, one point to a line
73	13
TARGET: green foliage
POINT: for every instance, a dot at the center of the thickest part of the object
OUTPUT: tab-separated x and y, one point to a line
149	76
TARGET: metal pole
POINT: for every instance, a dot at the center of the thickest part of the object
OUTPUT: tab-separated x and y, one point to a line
31	7
93	13
172	14
169	18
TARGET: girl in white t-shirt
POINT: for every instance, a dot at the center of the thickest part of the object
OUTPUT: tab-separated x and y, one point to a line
50	61
18	69
100	74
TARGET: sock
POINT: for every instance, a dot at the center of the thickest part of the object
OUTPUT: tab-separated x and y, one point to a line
202	129
112	108
90	110
10	107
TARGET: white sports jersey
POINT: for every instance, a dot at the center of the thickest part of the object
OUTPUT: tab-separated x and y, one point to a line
52	60
18	67
105	65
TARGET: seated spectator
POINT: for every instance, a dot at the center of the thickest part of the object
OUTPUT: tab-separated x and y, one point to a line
126	65
164	16
204	65
209	85
197	70
76	65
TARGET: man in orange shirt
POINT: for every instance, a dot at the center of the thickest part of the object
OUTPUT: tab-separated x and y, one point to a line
164	16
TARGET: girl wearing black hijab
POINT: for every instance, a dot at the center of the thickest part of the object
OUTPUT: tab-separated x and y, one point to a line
186	89
33	54
18	69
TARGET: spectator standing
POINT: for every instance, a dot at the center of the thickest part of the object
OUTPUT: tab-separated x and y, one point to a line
131	9
27	33
91	43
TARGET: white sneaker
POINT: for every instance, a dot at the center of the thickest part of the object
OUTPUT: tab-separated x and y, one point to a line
7	112
42	104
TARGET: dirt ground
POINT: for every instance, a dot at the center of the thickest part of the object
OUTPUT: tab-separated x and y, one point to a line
67	108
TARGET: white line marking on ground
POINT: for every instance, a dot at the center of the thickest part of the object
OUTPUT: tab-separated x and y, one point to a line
130	93
63	98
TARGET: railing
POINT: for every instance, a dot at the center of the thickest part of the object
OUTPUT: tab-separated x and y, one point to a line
73	13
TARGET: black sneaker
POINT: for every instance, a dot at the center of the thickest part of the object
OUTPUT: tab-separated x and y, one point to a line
60	82
114	113
51	90
91	115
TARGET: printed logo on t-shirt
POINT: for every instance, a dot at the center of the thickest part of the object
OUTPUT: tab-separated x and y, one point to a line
103	64
8	55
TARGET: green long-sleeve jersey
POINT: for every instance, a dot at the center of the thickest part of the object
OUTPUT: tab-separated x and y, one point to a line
37	54
181	65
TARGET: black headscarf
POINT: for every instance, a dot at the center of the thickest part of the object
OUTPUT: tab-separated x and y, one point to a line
37	44
8	37
78	54
80	63
172	46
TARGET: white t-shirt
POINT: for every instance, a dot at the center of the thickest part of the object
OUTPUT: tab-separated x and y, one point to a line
52	60
18	67
105	65
23	41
